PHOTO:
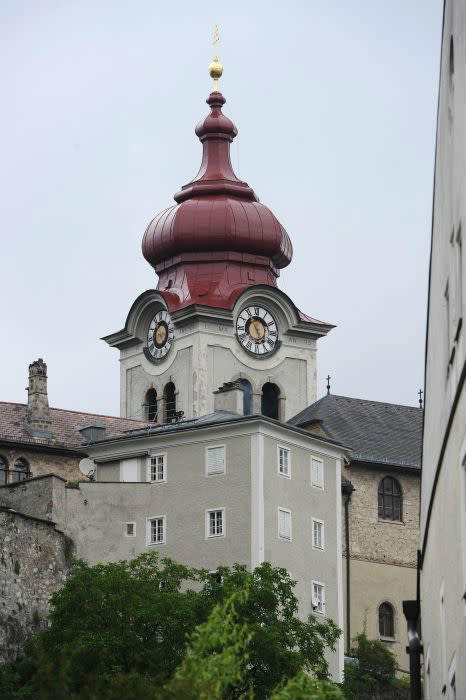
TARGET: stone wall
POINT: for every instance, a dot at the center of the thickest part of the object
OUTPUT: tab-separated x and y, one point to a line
384	541
34	558
41	462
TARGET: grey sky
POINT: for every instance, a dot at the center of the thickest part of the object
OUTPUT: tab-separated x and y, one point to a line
335	103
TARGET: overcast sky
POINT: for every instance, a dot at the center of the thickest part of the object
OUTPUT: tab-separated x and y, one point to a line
335	103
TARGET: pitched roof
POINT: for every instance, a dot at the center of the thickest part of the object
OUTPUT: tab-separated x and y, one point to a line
377	432
64	429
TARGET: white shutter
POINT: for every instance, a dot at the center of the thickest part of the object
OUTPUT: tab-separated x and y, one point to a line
216	460
317	472
129	470
284	524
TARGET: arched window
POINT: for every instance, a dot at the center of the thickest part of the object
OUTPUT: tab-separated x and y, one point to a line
270	400
390	501
151	405
20	470
247	394
3	470
386	620
169	396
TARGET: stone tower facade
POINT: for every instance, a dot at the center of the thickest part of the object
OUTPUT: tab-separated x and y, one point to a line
38	412
216	314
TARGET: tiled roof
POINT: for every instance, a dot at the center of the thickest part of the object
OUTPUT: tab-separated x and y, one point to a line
376	432
64	429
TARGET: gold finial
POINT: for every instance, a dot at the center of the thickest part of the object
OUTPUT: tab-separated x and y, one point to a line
215	68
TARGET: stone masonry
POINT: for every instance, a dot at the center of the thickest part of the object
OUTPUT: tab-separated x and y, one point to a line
34	558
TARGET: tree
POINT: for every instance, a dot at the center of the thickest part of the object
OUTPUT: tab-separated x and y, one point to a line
375	673
121	630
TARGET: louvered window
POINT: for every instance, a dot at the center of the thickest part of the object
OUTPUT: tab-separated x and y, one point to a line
215	457
284	523
317	472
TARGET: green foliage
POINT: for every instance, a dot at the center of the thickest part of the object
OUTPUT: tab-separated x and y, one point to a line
151	628
303	687
376	671
217	659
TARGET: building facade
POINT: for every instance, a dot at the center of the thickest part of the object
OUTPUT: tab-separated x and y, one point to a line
443	496
381	489
36	439
218	490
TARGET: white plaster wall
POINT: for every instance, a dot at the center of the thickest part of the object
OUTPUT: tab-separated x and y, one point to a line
443	492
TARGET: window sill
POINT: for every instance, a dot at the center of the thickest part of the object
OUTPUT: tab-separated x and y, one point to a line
390	640
158	482
391	522
214	537
286	476
154	544
284	539
318	549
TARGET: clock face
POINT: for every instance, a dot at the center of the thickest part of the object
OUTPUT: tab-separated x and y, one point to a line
256	330
160	335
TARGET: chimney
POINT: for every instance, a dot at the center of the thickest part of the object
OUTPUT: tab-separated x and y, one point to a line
38	413
230	398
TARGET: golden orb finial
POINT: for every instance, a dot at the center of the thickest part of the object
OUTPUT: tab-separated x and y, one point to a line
215	68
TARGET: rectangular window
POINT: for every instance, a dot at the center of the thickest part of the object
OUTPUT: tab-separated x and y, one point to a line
318	598
317	472
130	530
317	533
284	523
215	460
284	466
156	530
157	468
215	523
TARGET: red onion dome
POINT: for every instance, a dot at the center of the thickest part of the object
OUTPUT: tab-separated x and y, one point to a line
217	218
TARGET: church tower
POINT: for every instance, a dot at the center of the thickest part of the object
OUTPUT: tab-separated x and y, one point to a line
216	315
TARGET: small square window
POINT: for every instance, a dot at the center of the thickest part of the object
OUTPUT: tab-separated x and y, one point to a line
156	530
157	468
284	524
317	472
318	598
284	466
215	523
130	529
215	460
317	533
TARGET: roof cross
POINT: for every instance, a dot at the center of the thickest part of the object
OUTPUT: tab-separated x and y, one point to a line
420	392
328	384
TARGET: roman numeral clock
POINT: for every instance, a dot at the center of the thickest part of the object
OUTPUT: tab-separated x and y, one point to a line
160	336
256	330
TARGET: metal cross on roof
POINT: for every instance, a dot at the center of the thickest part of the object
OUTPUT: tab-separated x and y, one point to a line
420	392
328	384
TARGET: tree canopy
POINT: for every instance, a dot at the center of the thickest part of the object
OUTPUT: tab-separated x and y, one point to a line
152	628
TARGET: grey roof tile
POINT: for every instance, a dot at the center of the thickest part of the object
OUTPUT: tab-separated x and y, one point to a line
376	432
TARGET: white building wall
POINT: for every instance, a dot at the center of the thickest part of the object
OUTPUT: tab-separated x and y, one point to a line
443	497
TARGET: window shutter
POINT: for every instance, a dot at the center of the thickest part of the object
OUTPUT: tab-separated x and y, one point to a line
215	460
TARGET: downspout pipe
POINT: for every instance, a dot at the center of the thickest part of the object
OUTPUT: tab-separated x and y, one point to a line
347	489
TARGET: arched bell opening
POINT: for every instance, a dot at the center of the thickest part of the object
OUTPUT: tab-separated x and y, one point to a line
270	402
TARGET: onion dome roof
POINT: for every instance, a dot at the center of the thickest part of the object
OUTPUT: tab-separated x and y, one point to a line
217	219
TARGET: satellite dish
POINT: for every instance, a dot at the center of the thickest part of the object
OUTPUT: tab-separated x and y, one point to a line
87	466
